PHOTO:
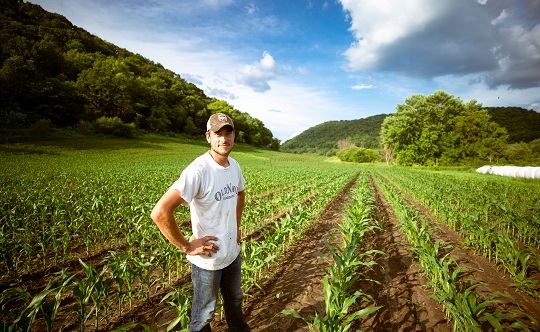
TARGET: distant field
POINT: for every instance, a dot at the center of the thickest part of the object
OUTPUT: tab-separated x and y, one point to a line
75	222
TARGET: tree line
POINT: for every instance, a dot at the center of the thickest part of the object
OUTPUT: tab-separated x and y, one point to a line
55	74
438	129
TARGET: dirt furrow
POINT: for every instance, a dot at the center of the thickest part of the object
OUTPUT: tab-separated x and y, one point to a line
406	305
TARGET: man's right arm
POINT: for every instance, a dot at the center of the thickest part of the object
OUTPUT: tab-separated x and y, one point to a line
163	215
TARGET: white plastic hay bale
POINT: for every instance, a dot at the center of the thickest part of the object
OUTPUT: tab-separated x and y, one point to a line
528	172
521	172
484	169
508	171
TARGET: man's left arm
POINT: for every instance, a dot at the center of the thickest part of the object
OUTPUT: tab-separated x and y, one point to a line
240	201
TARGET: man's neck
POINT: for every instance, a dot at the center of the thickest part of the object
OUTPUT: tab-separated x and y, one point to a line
220	159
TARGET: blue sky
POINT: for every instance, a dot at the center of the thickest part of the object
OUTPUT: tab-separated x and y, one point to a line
296	63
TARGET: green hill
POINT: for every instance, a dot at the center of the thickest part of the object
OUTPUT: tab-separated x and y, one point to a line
323	138
522	126
55	74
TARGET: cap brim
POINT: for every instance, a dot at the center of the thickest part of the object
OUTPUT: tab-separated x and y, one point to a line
219	126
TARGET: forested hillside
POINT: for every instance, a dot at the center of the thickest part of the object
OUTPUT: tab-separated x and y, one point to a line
323	138
54	74
521	124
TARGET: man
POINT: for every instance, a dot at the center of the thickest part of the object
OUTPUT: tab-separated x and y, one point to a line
213	187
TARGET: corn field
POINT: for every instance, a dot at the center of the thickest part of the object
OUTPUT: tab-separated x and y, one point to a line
79	251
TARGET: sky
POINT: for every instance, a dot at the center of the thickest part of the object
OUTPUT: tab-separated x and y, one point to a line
294	64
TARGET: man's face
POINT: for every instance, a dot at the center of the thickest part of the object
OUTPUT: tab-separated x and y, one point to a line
221	141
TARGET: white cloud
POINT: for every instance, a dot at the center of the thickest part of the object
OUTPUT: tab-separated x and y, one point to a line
500	18
302	71
535	107
362	86
259	74
220	93
195	79
376	24
251	9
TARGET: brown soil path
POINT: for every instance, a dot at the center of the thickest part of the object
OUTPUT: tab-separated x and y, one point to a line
406	302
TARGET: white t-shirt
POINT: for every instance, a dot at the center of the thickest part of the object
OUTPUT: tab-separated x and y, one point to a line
211	191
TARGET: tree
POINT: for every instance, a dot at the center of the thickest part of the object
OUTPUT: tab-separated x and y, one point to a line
477	137
109	89
190	127
158	120
276	143
357	155
428	129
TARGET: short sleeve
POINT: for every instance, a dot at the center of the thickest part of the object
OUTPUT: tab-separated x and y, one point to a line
241	180
188	184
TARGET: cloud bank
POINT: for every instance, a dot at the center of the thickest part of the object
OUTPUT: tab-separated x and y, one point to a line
499	41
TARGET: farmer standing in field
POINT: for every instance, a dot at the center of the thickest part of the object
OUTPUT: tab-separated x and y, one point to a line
213	187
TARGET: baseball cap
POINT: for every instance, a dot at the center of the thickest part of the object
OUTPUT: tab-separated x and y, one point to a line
217	121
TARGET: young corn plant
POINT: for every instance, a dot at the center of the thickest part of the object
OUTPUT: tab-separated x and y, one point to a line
336	303
47	302
13	320
100	294
180	302
83	290
51	308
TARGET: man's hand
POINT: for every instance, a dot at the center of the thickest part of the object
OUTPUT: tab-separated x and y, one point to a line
202	246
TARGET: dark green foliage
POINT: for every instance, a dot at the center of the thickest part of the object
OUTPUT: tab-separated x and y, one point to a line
324	138
53	70
114	126
522	125
524	154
